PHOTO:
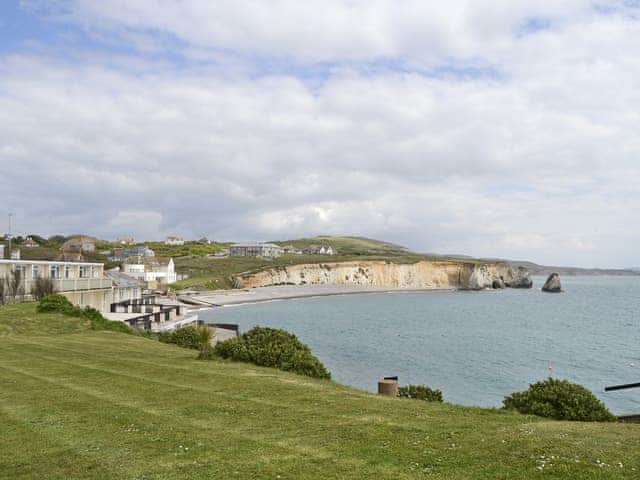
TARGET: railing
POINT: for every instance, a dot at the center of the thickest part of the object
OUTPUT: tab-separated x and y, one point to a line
73	284
625	418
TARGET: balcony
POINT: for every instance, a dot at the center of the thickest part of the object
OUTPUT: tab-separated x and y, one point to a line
77	284
62	285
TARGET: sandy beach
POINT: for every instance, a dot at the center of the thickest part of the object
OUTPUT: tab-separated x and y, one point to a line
223	298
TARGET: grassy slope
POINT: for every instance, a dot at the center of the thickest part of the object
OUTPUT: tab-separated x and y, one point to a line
347	245
214	273
106	405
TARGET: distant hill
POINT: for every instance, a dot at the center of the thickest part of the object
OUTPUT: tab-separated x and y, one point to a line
348	245
536	269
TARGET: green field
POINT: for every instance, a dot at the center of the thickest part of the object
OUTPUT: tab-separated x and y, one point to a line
347	245
215	273
80	404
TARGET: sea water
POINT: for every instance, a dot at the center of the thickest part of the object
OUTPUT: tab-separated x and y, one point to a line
476	347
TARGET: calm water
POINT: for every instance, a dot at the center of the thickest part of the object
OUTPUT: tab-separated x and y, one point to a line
474	346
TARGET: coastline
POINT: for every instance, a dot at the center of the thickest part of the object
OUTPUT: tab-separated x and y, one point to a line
228	298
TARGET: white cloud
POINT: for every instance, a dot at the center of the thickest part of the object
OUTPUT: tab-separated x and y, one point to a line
538	161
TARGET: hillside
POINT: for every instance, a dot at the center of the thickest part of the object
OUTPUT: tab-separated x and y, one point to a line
536	269
122	406
347	245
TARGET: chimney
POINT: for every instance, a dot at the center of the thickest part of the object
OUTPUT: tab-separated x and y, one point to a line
15	254
1	251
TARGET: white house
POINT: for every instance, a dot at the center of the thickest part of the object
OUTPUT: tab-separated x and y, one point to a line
153	270
265	250
173	240
84	284
85	244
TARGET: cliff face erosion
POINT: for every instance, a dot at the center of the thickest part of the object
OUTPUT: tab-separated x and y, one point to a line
420	275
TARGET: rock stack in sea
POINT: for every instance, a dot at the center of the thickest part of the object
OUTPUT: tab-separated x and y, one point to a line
521	278
552	285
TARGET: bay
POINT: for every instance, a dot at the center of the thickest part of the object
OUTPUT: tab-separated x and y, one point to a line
476	347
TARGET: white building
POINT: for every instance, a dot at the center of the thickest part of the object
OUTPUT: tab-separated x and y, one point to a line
84	284
266	250
81	244
153	270
173	241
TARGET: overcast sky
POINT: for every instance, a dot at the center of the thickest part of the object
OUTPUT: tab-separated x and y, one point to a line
498	128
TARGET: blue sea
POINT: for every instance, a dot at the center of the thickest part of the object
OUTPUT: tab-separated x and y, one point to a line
476	347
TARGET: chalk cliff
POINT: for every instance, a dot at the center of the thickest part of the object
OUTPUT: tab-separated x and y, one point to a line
423	274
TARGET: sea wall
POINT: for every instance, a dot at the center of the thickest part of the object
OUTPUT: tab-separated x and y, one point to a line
419	275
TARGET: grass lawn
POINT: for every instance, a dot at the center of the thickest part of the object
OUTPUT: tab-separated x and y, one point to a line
76	403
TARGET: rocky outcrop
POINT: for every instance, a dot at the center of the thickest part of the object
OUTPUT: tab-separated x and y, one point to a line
521	278
552	285
419	275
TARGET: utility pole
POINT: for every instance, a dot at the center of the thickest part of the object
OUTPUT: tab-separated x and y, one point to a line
9	234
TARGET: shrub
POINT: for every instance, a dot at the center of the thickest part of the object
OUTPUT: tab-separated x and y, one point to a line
205	335
559	399
420	392
57	303
186	337
60	304
269	347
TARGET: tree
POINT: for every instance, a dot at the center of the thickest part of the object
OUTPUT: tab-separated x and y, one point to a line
16	285
42	287
205	335
3	283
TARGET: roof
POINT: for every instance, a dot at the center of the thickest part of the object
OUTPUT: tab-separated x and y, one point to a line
48	262
123	280
80	240
256	244
149	260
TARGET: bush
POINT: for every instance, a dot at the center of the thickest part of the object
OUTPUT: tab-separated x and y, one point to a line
420	392
269	347
186	337
60	304
57	303
559	399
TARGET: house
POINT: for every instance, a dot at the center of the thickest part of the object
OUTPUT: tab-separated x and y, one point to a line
85	244
173	240
126	241
152	270
315	250
265	250
71	256
290	249
84	284
125	287
30	243
122	254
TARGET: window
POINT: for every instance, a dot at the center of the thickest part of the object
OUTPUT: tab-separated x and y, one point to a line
67	271
84	271
55	271
22	269
35	271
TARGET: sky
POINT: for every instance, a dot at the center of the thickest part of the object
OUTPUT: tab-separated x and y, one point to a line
500	128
